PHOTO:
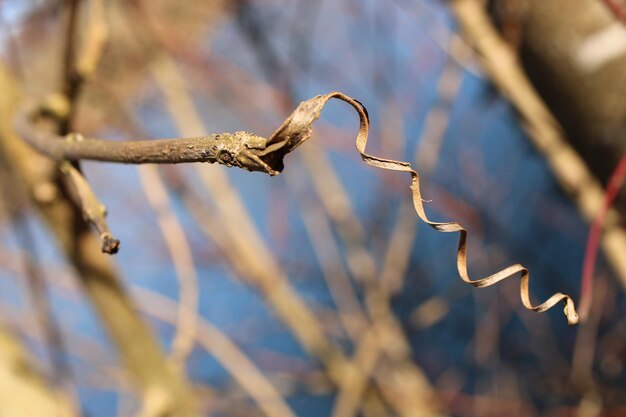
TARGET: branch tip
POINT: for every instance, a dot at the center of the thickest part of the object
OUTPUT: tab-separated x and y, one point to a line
109	244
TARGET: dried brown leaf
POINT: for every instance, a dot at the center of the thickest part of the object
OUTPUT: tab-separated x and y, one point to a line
297	129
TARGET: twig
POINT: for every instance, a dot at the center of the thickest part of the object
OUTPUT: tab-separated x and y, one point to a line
93	211
586	291
96	39
328	254
43	310
14	201
220	346
180	252
241	149
72	82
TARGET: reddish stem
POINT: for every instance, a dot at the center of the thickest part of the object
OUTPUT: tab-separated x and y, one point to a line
593	241
618	9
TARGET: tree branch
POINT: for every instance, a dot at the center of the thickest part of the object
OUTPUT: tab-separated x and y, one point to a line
240	149
93	210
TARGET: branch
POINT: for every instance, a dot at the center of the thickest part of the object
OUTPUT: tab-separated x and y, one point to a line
93	210
240	149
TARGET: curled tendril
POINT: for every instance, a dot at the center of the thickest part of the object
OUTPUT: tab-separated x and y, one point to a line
297	129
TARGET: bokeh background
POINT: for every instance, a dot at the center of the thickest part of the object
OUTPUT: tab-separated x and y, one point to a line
341	234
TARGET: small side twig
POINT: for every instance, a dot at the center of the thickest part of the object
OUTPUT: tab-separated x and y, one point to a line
71	79
93	211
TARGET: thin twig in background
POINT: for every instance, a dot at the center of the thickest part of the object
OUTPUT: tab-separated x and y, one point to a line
13	51
103	376
582	375
180	253
15	203
224	350
38	287
328	255
71	82
615	184
95	40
